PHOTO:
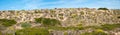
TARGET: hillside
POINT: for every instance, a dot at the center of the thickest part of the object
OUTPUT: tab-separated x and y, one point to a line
60	21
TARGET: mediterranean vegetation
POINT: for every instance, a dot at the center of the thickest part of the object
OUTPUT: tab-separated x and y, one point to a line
103	9
47	21
25	25
32	31
62	21
7	22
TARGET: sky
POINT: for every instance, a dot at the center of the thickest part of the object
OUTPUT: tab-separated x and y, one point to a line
43	4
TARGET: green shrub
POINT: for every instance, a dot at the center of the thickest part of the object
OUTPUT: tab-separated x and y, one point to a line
6	22
110	26
105	26
94	33
65	28
103	9
39	20
80	27
47	21
82	13
32	31
25	25
57	28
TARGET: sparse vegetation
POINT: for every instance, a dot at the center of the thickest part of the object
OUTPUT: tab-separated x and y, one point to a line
32	31
25	25
68	21
105	26
94	33
47	21
7	22
79	27
73	15
66	28
110	26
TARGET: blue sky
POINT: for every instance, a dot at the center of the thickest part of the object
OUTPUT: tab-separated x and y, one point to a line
38	4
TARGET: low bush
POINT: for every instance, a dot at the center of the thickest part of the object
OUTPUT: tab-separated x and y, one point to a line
105	26
25	25
47	21
110	26
6	22
32	31
95	33
103	9
65	28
